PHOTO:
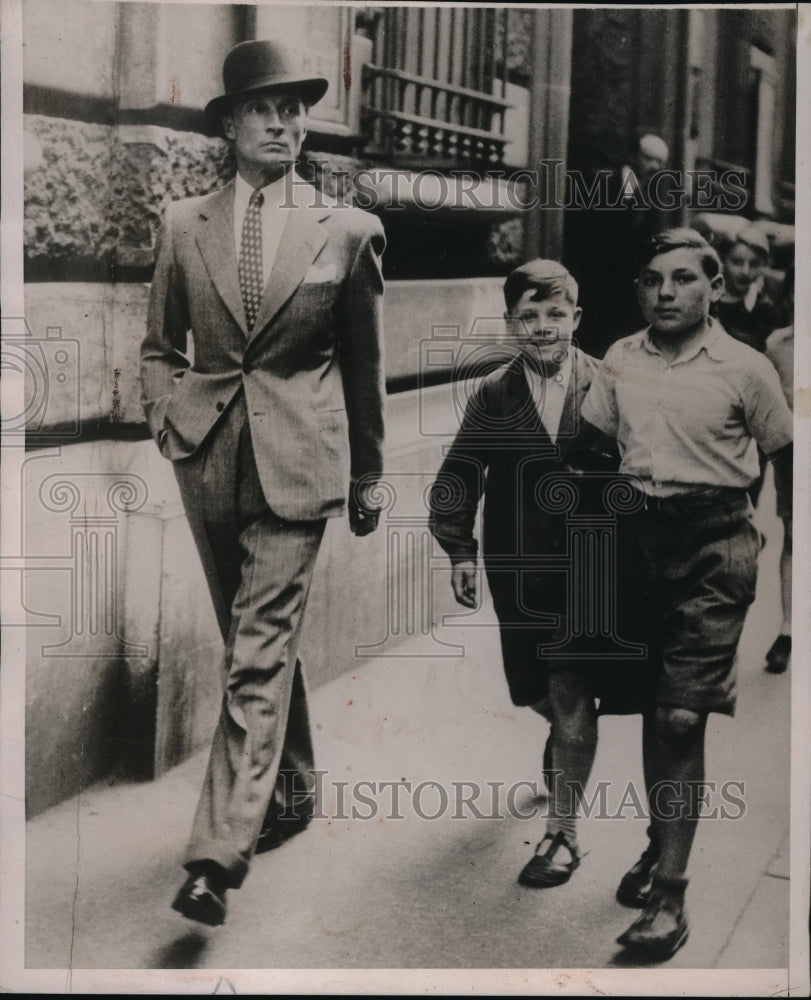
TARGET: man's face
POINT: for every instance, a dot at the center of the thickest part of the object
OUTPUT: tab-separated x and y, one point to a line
674	292
651	157
742	266
267	130
544	328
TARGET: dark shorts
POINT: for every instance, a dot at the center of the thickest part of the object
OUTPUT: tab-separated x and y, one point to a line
691	571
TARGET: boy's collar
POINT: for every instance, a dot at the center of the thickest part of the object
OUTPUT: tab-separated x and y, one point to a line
710	341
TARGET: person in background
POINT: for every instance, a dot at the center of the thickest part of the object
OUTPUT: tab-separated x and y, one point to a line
604	240
684	401
780	351
744	310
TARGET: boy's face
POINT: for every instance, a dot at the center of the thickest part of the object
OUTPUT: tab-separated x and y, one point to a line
742	266
674	292
544	328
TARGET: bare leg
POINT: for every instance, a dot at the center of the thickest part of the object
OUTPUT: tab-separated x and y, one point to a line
778	656
679	748
574	744
785	575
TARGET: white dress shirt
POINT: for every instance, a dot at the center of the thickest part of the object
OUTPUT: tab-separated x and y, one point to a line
549	394
274	218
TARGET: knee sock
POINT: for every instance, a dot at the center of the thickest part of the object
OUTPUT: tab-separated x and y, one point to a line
572	760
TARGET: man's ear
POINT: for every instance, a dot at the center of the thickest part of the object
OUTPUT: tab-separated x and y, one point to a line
228	126
578	315
716	287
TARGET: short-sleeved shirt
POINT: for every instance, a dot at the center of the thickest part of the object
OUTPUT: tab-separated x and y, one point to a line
687	425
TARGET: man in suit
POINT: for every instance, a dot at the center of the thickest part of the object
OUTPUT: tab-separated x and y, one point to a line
275	417
522	426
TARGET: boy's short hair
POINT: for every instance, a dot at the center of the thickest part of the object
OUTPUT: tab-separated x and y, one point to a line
548	277
682	238
752	237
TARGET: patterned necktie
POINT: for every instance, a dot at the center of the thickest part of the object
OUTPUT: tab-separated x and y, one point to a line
250	258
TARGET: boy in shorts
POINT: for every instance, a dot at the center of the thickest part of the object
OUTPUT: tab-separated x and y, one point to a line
684	401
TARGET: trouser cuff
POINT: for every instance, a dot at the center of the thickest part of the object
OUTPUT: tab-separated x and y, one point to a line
233	864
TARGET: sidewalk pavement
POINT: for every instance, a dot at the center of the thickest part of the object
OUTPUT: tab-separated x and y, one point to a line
370	891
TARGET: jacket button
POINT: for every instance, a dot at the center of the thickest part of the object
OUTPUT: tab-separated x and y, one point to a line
247	368
220	407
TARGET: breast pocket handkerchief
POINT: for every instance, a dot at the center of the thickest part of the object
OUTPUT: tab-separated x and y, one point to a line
319	274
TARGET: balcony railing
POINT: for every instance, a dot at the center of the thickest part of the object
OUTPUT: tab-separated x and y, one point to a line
434	94
448	125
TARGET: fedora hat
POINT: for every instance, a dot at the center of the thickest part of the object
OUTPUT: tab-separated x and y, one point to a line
257	65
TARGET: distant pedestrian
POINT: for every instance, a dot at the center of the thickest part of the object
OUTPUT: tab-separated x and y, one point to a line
780	351
604	238
744	309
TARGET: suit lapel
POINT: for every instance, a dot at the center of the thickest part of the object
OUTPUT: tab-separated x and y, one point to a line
301	242
216	241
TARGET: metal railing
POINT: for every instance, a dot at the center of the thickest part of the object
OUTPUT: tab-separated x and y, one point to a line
429	93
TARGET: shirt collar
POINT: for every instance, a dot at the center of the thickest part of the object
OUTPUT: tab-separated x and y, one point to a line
561	377
713	342
274	193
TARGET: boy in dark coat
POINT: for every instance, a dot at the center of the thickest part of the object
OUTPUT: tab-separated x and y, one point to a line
523	424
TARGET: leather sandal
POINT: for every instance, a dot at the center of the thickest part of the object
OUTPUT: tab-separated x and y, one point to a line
542	871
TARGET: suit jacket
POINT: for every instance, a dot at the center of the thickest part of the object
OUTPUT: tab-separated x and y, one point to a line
311	368
502	451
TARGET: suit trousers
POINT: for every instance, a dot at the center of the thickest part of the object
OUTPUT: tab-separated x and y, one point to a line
259	569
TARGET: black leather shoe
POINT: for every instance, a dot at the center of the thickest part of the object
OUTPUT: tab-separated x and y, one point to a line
661	929
635	886
778	656
202	898
542	871
277	833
